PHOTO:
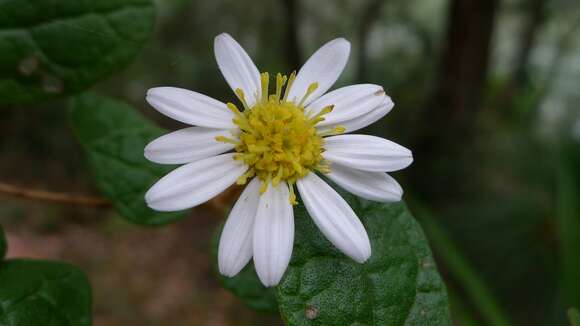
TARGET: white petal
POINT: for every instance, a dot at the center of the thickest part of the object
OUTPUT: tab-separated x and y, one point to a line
187	145
367	119
367	153
349	102
377	186
273	234
323	67
191	107
235	247
237	67
194	183
334	217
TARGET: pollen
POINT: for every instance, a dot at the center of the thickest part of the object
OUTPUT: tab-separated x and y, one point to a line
277	138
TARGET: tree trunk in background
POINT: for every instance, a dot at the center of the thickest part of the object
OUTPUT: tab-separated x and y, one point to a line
536	16
449	117
562	49
369	17
291	43
462	72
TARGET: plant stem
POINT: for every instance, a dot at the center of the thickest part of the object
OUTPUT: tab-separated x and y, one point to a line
54	197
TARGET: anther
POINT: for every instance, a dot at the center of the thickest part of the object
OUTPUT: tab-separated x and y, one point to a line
278	177
292	194
340	129
311	88
243	179
337	130
240	94
319	117
226	140
280	82
264	186
289	85
265	80
233	108
323	167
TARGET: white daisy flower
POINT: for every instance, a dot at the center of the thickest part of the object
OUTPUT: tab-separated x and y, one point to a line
278	141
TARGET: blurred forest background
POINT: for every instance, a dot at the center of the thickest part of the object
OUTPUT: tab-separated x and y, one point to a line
486	96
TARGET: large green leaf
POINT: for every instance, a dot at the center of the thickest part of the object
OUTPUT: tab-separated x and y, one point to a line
2	244
248	288
398	285
246	285
114	135
43	293
50	48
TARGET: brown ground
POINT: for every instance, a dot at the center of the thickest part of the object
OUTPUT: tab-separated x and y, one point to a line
140	276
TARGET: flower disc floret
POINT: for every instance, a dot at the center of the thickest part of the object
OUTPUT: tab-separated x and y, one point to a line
278	140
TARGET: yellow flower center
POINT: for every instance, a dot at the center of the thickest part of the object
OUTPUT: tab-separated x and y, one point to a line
277	139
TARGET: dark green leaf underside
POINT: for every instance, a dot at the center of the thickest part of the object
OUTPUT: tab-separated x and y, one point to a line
399	285
50	48
114	135
246	285
248	288
43	293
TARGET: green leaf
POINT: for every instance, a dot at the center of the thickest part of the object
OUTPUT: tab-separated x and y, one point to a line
3	246
248	288
399	285
246	285
574	316
43	293
114	135
51	48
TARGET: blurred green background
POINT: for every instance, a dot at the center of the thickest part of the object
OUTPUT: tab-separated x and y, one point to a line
486	95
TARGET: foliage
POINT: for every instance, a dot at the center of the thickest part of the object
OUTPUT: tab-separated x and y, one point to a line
505	214
114	135
246	285
569	222
399	285
49	49
36	292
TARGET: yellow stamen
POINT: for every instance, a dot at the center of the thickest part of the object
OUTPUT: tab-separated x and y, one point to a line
320	116
277	140
265	80
323	168
234	108
309	92
292	194
227	140
242	180
242	97
336	130
264	186
289	86
280	81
